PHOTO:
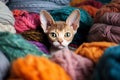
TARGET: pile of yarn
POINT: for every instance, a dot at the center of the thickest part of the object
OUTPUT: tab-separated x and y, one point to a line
14	46
85	23
37	68
78	67
93	50
25	20
6	19
108	67
37	5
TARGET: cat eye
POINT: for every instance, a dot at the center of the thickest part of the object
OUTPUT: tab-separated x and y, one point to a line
53	35
67	34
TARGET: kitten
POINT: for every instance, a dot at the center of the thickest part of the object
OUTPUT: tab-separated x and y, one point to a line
60	33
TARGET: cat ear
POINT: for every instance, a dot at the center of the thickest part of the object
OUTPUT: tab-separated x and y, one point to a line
73	20
46	20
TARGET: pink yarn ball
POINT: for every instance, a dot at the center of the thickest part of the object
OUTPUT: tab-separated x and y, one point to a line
78	67
26	21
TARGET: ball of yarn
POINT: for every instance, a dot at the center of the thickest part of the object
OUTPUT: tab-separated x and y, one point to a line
74	3
25	21
91	10
104	32
4	66
41	46
108	68
78	67
36	35
85	22
14	46
37	68
6	19
37	5
111	7
93	50
111	18
93	3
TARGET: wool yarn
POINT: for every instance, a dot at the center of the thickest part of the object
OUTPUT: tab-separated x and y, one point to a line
90	9
105	1
111	7
93	3
85	22
37	68
6	19
108	67
74	3
104	32
4	66
94	50
111	18
36	35
14	46
41	46
78	67
5	1
25	21
37	5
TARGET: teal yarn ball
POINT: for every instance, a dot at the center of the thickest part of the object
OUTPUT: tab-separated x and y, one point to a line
15	46
108	68
85	22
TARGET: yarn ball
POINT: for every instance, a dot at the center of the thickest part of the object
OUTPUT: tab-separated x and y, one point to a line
104	32
6	19
111	7
14	46
108	67
41	46
91	10
85	22
25	20
37	5
111	18
37	68
94	50
4	66
36	35
78	67
74	3
93	3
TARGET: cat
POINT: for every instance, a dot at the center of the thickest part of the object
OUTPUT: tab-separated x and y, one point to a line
60	33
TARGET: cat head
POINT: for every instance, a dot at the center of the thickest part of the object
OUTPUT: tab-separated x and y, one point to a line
60	33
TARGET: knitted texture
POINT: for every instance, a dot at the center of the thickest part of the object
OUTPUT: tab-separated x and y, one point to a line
14	46
78	67
37	5
4	65
37	68
25	21
93	50
41	46
6	19
108	68
85	22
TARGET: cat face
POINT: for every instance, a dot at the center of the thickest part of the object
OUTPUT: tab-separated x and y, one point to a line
60	33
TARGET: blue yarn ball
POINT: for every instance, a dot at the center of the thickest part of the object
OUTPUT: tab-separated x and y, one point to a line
85	22
108	67
4	65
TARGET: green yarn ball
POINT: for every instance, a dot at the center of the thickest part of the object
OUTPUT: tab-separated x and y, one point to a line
85	22
14	46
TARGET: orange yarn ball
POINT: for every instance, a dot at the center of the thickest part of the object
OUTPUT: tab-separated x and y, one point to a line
93	50
37	68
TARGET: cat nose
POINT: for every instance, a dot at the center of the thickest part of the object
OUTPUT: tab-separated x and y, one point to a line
60	41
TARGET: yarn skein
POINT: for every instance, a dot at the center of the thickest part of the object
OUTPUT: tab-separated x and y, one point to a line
14	46
78	67
25	21
37	68
104	32
108	67
94	50
6	19
4	66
